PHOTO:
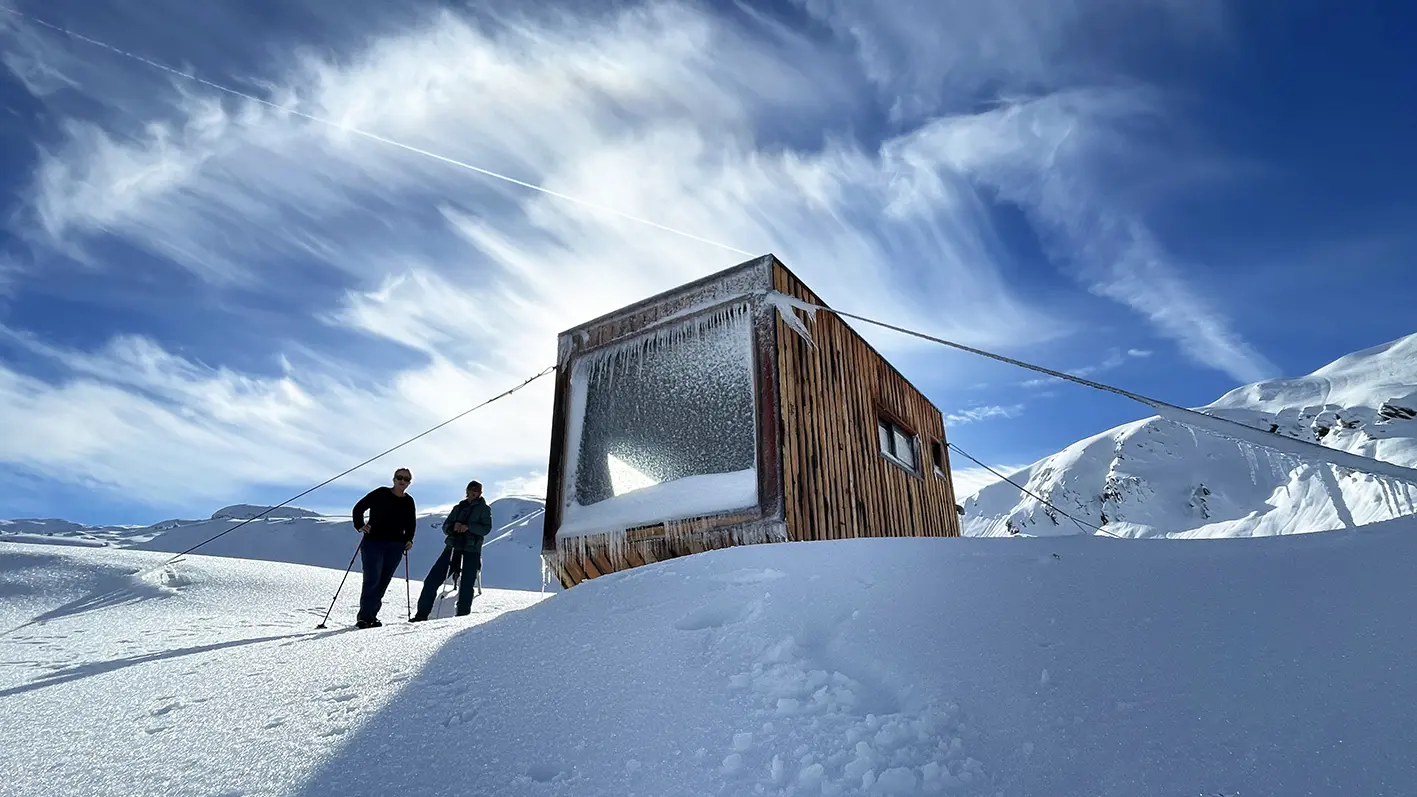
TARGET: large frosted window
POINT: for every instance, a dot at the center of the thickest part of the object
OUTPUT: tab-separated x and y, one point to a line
673	405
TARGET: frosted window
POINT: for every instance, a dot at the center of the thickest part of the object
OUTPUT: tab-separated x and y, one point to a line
674	405
897	444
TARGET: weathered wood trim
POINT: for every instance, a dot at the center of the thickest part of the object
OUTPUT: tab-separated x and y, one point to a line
555	466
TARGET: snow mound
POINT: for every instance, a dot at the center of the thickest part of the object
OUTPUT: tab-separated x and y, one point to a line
1159	478
53	531
900	666
248	511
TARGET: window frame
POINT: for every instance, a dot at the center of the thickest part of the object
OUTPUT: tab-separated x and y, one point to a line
937	457
893	428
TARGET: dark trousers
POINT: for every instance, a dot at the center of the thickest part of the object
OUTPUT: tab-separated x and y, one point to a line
435	577
381	562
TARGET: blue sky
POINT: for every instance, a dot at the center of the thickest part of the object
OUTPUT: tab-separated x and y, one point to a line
205	301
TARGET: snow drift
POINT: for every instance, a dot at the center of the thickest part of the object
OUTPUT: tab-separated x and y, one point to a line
1156	477
897	666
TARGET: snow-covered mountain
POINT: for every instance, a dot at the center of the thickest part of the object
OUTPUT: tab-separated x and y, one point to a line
511	557
1155	477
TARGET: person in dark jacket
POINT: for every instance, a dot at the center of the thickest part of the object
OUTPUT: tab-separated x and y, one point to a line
464	529
388	534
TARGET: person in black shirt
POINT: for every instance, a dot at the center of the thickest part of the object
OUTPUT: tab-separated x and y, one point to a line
388	534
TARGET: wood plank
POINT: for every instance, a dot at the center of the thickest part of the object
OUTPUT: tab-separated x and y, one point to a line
555	467
791	413
837	477
821	413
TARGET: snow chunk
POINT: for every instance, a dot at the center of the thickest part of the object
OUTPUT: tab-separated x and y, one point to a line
687	497
897	780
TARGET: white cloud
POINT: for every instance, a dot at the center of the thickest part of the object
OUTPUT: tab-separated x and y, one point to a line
653	111
925	55
662	111
1116	359
135	419
982	413
532	484
1047	155
968	481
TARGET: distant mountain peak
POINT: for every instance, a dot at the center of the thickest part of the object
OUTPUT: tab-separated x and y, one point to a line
1158	478
248	511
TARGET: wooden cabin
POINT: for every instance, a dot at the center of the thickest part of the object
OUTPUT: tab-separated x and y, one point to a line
719	414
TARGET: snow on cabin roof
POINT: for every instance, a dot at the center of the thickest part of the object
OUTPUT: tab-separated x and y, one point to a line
671	293
708	280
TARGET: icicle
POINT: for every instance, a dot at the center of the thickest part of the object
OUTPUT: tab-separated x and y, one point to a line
1274	471
1249	454
786	307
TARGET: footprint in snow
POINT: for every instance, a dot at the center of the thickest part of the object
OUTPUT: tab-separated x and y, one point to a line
545	773
166	708
751	576
460	717
717	615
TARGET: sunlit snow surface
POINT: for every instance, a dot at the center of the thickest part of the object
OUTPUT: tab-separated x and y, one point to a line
1065	666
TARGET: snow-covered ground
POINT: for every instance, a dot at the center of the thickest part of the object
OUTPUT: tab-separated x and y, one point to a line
1155	477
511	557
1045	666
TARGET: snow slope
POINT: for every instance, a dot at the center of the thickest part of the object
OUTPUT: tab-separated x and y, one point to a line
1155	478
511	555
899	666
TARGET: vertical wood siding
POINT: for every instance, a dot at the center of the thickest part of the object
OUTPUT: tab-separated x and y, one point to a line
836	483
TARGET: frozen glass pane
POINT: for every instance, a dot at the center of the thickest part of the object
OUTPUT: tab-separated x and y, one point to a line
679	405
884	432
904	450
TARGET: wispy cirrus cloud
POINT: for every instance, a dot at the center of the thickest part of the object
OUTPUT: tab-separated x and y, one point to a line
970	480
928	56
1115	359
1048	156
663	111
984	413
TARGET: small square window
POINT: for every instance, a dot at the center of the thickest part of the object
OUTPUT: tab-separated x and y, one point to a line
898	445
937	457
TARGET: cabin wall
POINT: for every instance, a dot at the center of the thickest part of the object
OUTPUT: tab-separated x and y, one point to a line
578	558
836	483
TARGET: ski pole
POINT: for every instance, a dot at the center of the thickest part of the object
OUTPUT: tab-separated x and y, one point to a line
437	613
341	581
407	590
